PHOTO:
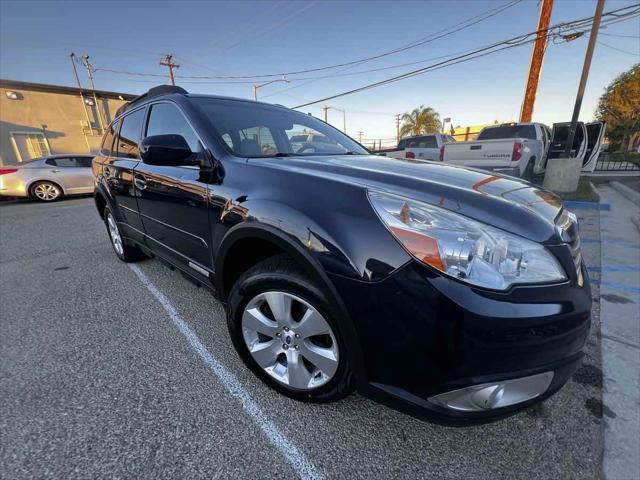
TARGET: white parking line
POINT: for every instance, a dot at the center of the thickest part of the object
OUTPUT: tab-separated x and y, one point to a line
300	463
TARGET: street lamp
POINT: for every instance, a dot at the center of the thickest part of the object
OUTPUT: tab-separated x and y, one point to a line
344	116
256	87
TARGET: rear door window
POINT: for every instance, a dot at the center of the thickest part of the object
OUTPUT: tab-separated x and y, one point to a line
84	162
62	162
130	132
508	131
107	142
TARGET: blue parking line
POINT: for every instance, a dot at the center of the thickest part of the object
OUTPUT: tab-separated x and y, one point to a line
623	243
616	285
615	268
578	205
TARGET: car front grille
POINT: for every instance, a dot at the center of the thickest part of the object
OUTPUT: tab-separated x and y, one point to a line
568	229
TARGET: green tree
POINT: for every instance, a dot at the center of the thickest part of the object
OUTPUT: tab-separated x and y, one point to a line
619	106
419	121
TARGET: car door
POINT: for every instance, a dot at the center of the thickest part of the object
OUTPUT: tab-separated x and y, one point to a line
595	135
118	172
173	200
559	137
73	173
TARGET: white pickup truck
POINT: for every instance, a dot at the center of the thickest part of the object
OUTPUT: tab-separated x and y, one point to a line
522	149
420	147
515	149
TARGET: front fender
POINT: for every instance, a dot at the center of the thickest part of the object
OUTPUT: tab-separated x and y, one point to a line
304	258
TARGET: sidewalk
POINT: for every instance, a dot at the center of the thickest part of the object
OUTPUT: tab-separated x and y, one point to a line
620	318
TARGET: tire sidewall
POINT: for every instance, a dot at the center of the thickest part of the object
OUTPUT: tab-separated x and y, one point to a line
246	289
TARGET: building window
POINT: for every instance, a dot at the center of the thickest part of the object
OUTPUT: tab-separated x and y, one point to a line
28	145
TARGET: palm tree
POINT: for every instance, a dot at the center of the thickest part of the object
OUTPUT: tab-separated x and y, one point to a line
420	120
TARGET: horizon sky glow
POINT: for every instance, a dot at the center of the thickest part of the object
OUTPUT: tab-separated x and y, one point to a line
258	37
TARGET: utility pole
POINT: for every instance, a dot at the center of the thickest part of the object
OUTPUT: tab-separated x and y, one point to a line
72	56
563	173
325	109
397	127
89	67
168	62
360	133
535	66
585	74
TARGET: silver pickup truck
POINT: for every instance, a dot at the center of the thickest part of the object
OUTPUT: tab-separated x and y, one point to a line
522	149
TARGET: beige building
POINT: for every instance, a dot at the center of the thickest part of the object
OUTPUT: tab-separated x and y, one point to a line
38	119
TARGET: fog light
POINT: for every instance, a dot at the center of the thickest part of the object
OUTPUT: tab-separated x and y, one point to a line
488	396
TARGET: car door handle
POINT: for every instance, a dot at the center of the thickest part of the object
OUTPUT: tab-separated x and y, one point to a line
475	147
55	170
140	183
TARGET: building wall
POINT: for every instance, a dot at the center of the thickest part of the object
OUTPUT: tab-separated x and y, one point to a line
58	115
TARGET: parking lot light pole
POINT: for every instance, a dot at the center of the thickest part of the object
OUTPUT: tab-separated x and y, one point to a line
256	87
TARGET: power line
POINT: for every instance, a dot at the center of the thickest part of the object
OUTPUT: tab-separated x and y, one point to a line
421	41
483	51
619	49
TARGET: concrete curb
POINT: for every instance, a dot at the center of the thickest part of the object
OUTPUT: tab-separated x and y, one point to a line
628	192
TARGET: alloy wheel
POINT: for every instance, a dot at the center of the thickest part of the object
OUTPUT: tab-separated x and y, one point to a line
46	192
290	340
114	233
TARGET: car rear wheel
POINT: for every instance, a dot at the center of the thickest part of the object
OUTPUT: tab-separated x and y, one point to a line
46	191
126	253
279	323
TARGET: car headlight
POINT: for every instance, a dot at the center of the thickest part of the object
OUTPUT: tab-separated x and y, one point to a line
463	248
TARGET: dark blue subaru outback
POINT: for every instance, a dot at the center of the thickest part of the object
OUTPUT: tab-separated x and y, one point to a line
452	294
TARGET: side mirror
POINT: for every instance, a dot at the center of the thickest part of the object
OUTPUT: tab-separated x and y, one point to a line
167	150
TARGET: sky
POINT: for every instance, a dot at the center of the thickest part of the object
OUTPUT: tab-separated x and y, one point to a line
216	38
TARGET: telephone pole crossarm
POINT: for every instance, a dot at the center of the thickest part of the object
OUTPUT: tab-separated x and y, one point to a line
168	62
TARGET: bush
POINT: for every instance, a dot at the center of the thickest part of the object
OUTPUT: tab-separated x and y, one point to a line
631	157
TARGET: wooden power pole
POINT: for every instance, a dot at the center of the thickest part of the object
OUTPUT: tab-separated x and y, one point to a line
535	67
168	62
398	127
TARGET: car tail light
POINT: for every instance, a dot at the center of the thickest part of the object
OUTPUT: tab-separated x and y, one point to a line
442	153
517	152
409	155
4	171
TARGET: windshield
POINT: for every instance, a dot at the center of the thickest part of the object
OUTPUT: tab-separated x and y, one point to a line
508	131
256	130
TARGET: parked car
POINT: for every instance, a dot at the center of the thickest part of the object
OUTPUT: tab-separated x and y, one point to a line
48	178
423	147
455	295
514	149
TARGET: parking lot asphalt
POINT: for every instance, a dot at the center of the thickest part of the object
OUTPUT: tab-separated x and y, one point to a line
96	379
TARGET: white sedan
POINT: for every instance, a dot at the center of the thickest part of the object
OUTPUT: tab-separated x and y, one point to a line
48	178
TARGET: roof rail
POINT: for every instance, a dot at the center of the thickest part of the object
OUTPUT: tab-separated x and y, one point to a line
153	92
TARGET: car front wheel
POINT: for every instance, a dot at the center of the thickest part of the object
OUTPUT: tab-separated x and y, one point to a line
279	323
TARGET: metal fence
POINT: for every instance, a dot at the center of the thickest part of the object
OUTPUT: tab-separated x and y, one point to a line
607	164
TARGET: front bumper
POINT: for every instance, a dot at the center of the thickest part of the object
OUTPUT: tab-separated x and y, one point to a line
424	334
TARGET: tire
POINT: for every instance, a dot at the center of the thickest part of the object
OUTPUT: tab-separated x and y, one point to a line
288	365
126	253
528	171
45	191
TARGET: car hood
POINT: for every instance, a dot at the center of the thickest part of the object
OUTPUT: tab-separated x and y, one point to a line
504	202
